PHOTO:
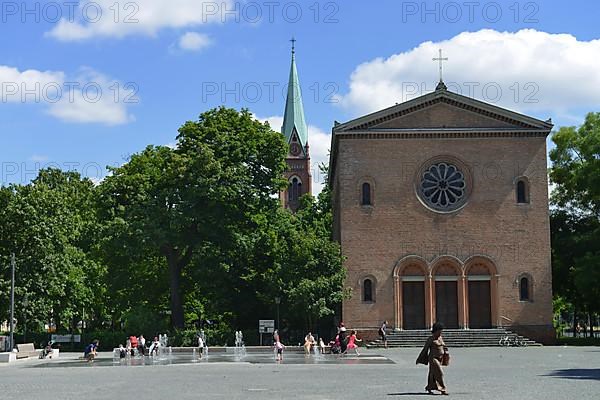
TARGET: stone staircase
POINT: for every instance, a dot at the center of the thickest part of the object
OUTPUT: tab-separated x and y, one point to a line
452	338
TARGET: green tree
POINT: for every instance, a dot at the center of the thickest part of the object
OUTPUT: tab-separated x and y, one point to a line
293	257
576	167
174	203
575	219
50	225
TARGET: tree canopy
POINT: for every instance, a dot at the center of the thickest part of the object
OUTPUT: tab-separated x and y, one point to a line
173	238
575	217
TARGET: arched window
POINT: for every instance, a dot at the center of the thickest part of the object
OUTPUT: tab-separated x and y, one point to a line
522	195
366	194
368	290
524	289
294	189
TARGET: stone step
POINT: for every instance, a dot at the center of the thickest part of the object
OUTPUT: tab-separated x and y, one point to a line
452	337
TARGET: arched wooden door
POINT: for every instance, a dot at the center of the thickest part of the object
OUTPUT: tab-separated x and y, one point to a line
411	293
479	292
446	294
413	304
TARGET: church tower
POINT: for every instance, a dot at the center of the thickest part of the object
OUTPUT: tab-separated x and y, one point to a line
295	132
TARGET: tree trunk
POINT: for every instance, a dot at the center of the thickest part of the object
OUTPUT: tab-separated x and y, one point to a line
177	321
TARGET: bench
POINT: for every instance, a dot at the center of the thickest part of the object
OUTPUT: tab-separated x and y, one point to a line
26	350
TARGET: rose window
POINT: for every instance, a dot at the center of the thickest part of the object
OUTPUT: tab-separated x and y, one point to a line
443	186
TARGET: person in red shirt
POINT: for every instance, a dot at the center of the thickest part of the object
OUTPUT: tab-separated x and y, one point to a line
134	344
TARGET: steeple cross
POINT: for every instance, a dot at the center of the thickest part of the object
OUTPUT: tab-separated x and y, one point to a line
441	60
293	40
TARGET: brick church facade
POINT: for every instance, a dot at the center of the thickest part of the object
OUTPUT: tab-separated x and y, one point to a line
441	209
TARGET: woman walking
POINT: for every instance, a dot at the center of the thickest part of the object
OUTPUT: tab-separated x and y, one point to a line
433	352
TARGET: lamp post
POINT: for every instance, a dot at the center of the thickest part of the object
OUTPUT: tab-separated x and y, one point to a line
12	302
277	301
25	304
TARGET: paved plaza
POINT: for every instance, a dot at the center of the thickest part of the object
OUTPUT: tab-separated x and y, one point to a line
482	373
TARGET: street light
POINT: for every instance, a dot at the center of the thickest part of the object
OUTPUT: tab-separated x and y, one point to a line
277	301
12	302
25	304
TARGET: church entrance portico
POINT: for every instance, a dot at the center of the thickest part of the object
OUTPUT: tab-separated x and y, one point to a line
460	295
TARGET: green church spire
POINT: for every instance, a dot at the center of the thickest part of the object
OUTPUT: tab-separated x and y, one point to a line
293	118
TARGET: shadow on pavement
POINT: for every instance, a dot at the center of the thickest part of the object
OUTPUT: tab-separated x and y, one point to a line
577	373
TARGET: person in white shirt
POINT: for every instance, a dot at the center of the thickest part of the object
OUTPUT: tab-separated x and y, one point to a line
142	345
200	346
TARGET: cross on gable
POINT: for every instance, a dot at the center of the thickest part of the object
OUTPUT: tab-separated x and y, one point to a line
441	60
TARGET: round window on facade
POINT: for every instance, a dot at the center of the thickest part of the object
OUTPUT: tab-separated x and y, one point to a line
443	185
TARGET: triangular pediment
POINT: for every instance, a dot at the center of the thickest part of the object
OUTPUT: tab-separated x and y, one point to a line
442	115
444	110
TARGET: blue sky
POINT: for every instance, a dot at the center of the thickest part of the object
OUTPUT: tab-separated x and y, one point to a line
175	59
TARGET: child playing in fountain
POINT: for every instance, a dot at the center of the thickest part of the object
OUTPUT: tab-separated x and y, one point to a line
154	347
352	342
279	348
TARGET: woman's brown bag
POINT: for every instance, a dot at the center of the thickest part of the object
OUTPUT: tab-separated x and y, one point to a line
446	359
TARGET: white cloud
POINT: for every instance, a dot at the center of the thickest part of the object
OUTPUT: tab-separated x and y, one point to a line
89	97
142	17
97	99
38	158
194	41
535	71
29	86
319	142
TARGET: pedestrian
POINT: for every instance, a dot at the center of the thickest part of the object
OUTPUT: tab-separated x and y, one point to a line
433	354
122	352
343	340
352	339
154	346
321	345
90	352
309	341
279	347
200	346
133	344
142	345
383	333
